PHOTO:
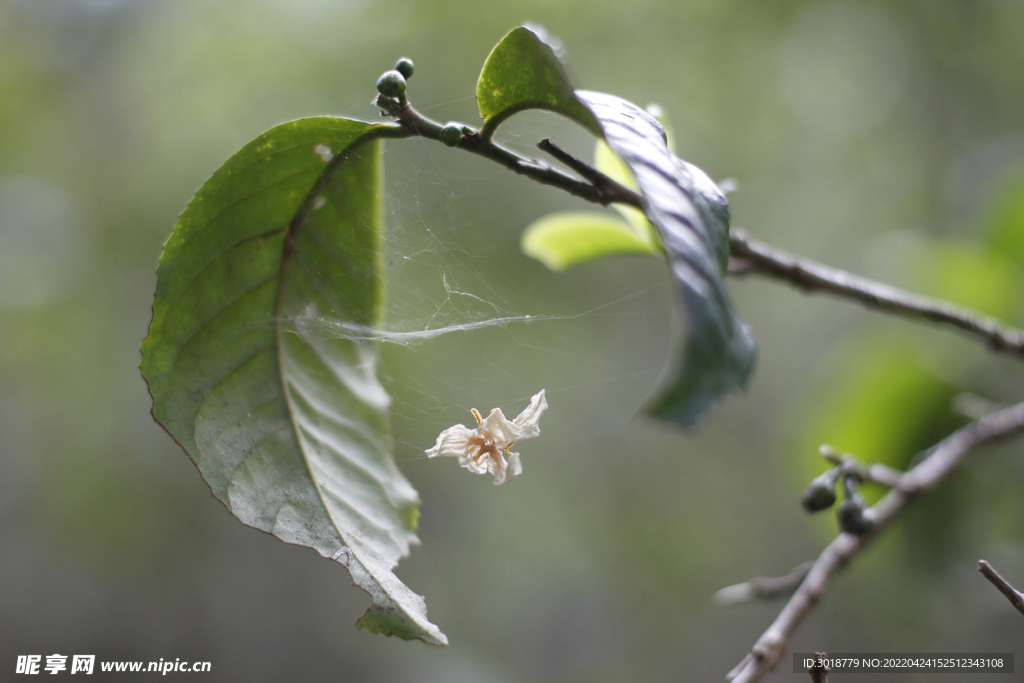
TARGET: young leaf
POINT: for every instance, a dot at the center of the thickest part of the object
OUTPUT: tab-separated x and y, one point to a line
566	239
692	218
289	427
525	71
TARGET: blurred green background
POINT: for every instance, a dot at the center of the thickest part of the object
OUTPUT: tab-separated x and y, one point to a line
886	138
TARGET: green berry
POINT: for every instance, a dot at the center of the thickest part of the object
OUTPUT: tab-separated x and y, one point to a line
854	517
821	492
451	134
819	495
391	84
404	67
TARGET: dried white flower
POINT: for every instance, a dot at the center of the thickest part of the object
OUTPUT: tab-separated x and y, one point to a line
480	450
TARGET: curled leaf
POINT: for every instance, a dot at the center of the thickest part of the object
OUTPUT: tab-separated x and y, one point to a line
688	210
692	217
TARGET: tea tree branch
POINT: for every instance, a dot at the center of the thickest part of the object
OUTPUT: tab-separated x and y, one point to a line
809	276
751	256
935	465
1015	597
598	188
763	587
818	670
598	179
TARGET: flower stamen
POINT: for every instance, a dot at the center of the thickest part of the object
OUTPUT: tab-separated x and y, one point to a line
479	450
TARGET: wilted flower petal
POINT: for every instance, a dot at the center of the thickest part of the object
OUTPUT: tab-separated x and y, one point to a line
481	450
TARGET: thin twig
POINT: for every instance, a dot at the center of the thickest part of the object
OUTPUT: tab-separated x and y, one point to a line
973	406
762	259
596	177
750	255
1015	597
876	472
763	587
939	462
818	670
604	192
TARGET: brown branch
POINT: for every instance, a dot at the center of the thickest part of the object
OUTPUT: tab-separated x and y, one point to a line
604	191
936	464
763	587
818	670
762	259
753	257
610	187
750	255
1015	597
876	472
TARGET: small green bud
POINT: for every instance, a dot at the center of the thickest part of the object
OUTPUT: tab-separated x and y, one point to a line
404	67
391	84
854	517
451	134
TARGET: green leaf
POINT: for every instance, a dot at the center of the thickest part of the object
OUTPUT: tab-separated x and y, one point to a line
526	71
612	166
689	211
691	215
566	239
289	427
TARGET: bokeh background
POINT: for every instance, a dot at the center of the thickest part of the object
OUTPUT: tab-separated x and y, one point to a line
886	138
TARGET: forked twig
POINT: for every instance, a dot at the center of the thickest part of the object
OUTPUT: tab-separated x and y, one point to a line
936	464
755	257
759	258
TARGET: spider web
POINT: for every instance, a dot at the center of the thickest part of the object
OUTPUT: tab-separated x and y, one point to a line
472	322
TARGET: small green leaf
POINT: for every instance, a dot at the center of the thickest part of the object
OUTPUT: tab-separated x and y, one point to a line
525	71
691	215
566	239
289	427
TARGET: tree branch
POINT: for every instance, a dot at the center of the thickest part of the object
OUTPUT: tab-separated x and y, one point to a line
756	257
1015	597
876	472
936	464
610	187
818	671
814	277
605	191
763	588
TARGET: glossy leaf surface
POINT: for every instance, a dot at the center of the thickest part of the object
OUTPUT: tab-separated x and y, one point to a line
526	71
289	427
692	218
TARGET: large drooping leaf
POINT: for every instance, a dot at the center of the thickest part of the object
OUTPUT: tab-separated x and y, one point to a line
692	218
289	428
526	71
686	207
